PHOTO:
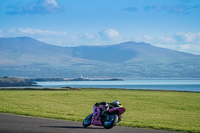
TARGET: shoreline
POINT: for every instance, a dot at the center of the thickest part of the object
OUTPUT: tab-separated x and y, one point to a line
71	88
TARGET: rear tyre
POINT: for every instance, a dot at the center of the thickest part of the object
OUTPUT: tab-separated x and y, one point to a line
87	121
112	121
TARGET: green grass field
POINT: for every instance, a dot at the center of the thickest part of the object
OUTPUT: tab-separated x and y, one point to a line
176	111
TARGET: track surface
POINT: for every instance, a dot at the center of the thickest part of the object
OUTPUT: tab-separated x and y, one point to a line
24	124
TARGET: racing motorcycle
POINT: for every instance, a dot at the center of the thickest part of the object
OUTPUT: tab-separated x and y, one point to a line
108	119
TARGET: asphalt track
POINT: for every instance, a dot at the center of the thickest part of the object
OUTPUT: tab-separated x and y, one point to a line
24	124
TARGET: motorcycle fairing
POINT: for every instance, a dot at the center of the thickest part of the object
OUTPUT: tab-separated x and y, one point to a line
120	110
96	113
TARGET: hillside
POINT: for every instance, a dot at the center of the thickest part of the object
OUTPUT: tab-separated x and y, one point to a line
27	51
13	82
126	52
27	57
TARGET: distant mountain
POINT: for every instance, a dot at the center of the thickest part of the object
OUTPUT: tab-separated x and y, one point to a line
26	51
27	57
125	52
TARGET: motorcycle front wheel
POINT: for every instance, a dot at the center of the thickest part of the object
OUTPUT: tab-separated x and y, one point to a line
87	121
111	122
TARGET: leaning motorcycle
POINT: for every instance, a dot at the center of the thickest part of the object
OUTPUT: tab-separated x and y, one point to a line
108	119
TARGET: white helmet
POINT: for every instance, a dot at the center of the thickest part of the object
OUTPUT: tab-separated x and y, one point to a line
116	102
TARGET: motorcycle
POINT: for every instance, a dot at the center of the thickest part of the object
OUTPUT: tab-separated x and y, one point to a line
108	119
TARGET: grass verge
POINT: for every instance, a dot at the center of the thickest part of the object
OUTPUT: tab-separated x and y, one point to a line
175	111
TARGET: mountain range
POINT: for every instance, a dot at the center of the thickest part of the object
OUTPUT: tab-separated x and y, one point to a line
27	57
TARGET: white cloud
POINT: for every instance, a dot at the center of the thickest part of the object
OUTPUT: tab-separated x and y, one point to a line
180	41
109	34
145	38
1	33
188	37
185	46
178	38
28	31
90	36
52	2
64	38
51	37
35	7
166	39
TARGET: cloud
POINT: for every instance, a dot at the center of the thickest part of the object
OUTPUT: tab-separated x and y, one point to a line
183	8
104	37
130	9
154	7
51	37
109	34
30	31
188	37
185	46
177	38
35	7
174	9
180	41
1	33
185	1
185	42
166	39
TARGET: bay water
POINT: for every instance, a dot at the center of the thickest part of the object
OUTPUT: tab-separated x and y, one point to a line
152	84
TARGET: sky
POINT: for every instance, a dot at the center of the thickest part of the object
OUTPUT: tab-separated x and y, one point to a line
172	24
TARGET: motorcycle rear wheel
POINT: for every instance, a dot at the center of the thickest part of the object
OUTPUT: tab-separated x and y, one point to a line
87	121
112	121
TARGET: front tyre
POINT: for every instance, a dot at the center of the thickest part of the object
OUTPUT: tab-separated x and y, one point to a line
87	121
112	121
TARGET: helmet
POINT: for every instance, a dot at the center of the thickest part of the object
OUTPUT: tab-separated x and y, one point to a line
116	102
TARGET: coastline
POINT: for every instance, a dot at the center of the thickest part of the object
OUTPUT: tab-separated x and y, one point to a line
131	84
71	88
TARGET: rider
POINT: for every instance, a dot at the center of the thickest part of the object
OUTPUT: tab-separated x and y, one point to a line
114	104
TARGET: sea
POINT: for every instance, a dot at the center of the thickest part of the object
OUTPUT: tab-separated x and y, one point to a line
147	84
